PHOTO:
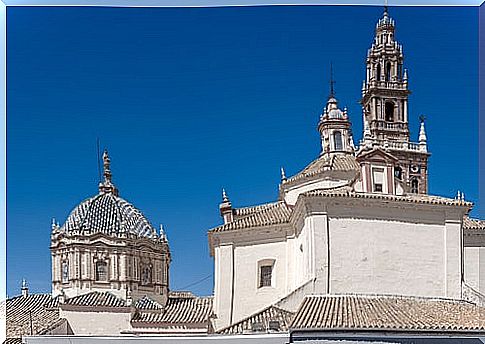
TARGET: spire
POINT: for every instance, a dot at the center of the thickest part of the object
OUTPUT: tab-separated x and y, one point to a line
385	21
107	185
332	83
422	135
283	174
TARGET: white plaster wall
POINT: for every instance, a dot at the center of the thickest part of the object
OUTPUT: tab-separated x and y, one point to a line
223	280
292	195
475	268
300	257
97	323
248	298
387	257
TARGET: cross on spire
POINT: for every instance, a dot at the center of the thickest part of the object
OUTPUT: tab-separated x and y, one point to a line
332	82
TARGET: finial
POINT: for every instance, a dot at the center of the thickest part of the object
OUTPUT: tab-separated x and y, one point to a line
163	235
54	224
463	197
107	185
405	76
106	166
385	7
422	135
283	174
458	196
224	196
24	289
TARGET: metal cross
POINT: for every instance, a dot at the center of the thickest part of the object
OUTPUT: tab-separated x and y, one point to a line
332	82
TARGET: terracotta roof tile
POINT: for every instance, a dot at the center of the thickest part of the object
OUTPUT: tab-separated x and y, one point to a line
390	313
41	308
145	303
337	162
179	311
96	299
271	313
473	224
409	198
270	214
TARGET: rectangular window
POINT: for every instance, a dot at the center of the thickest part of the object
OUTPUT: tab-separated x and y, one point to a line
65	272
101	271
265	275
378	179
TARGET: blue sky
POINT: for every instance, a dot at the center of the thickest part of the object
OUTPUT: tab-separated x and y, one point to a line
190	100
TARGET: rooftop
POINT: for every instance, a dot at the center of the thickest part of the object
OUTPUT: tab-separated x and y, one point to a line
387	313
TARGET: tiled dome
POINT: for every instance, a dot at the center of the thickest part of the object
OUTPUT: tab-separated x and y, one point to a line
109	214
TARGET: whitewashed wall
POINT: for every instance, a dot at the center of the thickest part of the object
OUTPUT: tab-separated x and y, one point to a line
387	257
97	323
475	268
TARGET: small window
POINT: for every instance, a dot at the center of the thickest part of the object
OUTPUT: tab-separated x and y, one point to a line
101	271
378	72
398	172
265	275
65	272
337	140
414	186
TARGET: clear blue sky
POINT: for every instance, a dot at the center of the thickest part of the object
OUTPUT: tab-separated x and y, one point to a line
190	100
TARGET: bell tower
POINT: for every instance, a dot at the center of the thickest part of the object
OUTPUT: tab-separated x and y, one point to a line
385	90
385	109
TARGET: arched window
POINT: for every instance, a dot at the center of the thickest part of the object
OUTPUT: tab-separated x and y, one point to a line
378	71
414	186
65	271
101	271
388	71
399	71
337	140
389	109
398	172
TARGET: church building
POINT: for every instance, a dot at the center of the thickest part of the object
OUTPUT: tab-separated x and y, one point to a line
356	220
353	243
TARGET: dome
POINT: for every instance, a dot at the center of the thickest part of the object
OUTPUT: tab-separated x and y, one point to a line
332	111
109	214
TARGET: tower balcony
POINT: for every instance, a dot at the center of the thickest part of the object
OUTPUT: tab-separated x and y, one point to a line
396	145
392	126
390	85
